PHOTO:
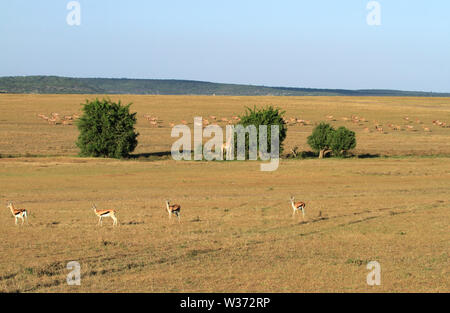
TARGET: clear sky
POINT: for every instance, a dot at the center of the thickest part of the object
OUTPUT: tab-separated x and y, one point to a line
296	43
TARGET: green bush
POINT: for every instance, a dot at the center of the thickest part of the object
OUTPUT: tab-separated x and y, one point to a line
320	139
342	140
107	129
325	139
264	116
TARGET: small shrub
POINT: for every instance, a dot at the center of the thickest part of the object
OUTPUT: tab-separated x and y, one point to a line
342	140
320	139
264	116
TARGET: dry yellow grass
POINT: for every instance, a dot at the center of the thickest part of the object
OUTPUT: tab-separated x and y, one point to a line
237	232
21	131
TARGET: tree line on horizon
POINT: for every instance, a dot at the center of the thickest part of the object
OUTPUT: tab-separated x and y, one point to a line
67	85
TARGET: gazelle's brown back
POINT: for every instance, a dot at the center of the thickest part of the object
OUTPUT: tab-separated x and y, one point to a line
175	208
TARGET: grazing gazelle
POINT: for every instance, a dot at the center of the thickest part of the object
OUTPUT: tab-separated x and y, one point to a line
18	213
296	206
104	213
173	209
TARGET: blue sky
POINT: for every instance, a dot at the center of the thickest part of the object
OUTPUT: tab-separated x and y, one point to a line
316	44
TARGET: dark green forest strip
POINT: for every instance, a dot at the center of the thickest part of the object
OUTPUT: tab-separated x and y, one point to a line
66	85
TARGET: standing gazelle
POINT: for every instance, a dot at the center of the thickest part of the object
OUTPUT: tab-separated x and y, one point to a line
173	209
18	213
297	206
104	213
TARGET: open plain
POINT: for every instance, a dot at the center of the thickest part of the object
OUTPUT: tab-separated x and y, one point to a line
389	203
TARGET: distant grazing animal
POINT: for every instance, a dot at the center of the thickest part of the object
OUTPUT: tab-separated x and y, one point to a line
18	213
104	213
225	147
173	209
297	206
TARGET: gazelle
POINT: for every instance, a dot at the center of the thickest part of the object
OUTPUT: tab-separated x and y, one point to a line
227	147
297	206
173	209
104	213
18	213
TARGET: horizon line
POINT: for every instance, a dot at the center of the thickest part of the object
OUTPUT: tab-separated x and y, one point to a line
227	83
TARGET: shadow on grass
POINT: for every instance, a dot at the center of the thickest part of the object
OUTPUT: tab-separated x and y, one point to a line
162	155
165	155
368	156
302	155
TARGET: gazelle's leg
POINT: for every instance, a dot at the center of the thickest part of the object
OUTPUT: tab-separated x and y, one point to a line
303	212
23	220
178	215
16	220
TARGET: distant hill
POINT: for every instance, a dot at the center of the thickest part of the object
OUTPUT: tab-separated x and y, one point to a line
66	85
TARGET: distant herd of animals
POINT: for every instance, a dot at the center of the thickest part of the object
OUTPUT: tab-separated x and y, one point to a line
172	210
154	121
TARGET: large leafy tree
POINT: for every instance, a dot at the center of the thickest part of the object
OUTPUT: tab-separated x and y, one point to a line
325	139
107	129
320	139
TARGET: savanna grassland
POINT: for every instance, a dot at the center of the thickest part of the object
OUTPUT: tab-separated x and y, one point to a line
237	233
